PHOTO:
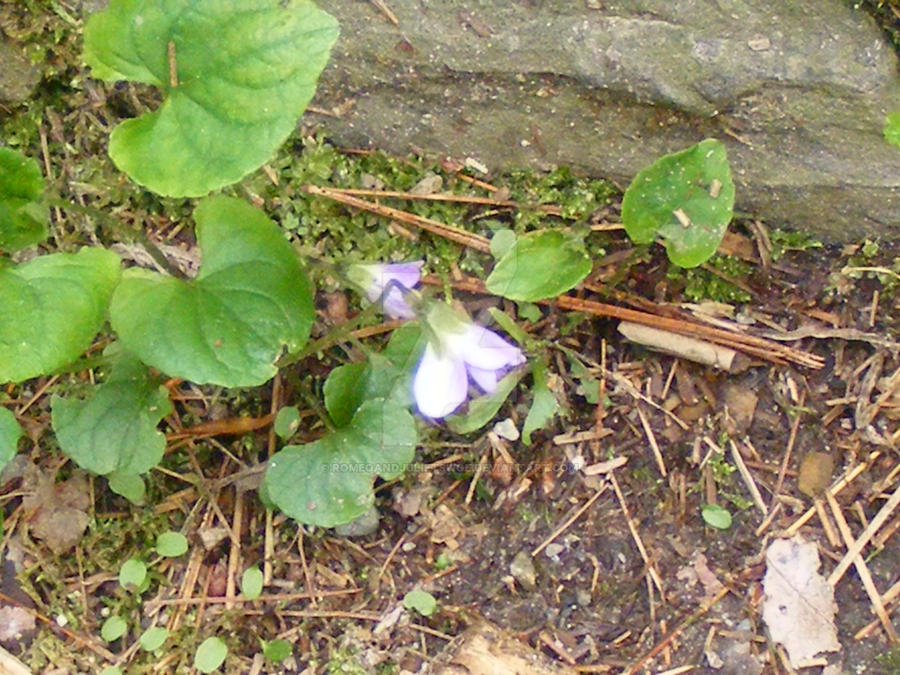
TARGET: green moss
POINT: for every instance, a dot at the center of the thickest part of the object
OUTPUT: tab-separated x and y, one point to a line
344	662
702	284
787	240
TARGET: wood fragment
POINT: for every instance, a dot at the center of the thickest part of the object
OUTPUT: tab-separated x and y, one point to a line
651	567
10	665
862	570
556	647
648	431
384	9
821	333
571	519
684	347
234	552
747	477
838	485
857	546
456	234
232	426
269	598
581	436
830	533
792	438
682	218
888	598
604	467
446	197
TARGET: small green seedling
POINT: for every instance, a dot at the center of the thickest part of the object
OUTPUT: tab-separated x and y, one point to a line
171	544
133	575
287	421
277	651
210	654
153	638
538	265
716	516
421	601
252	583
113	628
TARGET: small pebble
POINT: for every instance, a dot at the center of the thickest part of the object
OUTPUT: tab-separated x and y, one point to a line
553	550
522	569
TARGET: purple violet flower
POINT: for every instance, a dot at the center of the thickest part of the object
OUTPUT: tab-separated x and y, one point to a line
461	350
374	278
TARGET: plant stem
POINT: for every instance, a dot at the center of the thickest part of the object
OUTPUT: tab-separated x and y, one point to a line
122	230
334	336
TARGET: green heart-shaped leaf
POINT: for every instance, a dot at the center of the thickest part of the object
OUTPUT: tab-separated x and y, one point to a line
23	218
329	482
236	74
686	198
51	308
539	265
114	429
250	299
384	375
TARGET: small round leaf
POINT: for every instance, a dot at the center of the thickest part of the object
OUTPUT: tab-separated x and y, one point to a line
715	516
539	265
287	421
171	544
252	583
686	198
210	654
132	574
277	651
421	601
128	485
113	628
153	638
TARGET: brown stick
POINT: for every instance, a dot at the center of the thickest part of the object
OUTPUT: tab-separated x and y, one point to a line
759	347
456	234
442	197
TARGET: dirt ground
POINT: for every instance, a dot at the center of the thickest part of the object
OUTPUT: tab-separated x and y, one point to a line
586	550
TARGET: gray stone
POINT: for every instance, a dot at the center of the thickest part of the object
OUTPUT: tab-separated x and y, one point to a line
798	91
18	76
364	525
